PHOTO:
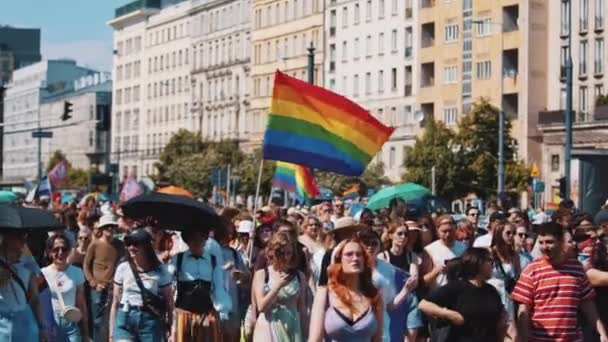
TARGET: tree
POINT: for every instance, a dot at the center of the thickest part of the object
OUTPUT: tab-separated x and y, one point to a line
372	177
436	147
247	171
478	140
77	178
182	144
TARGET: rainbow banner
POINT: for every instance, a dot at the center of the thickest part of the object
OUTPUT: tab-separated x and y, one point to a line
295	178
314	127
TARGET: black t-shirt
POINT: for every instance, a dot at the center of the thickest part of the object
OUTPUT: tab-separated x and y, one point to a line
480	306
324	264
402	261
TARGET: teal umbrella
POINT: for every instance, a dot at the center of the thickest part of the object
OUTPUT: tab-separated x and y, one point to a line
406	191
7	196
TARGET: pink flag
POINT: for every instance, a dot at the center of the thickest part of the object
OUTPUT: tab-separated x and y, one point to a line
58	173
130	189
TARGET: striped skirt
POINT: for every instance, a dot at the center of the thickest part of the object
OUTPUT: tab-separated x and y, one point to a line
191	327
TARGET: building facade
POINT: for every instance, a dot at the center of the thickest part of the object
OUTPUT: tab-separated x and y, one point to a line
221	63
371	59
23	96
282	32
83	143
19	47
151	68
469	49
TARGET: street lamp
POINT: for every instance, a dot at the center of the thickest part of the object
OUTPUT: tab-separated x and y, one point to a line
568	112
501	112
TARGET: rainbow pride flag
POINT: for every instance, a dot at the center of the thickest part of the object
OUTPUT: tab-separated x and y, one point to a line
295	178
314	127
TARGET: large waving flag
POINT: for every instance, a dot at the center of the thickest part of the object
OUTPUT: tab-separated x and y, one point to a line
295	178
314	127
58	173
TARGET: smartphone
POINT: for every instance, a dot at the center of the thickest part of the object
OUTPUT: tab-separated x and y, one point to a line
582	257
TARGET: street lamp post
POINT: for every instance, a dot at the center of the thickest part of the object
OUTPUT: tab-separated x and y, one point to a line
568	112
311	64
501	113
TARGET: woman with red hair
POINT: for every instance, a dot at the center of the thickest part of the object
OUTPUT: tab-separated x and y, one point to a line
350	308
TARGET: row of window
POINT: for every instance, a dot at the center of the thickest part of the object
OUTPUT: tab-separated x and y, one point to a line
369	44
219	19
126	121
262	86
285	11
219	124
284	47
369	5
220	51
168	61
168	87
167	114
222	88
128	46
128	71
167	34
583	19
368	82
131	94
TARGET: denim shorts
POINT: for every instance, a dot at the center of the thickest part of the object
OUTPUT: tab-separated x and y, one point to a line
138	325
18	326
67	331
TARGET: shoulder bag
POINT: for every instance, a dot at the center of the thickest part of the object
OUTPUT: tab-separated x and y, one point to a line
152	303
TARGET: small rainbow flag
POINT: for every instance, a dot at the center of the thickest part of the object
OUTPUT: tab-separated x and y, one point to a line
295	178
352	190
311	126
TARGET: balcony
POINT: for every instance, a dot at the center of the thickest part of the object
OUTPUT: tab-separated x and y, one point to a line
583	26
427	75
427	35
332	66
428	109
510	17
598	68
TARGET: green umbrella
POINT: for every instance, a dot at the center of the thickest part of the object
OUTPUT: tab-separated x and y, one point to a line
7	196
406	191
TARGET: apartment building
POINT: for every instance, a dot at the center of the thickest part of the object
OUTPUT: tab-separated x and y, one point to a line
371	59
282	32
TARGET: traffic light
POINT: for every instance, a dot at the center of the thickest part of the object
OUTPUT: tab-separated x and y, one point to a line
562	187
67	109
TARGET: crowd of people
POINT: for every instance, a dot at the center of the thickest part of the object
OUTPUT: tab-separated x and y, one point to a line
308	273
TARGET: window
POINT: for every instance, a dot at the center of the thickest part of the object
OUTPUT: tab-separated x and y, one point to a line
598	63
484	28
368	83
381	43
584	15
391	157
449	115
565	23
450	74
356	48
381	9
484	70
381	81
344	84
394	41
368	46
368	10
344	50
357	14
599	90
332	57
408	42
394	7
356	86
332	84
344	16
582	62
555	163
394	79
451	33
599	14
582	98
332	23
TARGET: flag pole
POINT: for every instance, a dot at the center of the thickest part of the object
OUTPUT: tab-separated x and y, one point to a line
257	188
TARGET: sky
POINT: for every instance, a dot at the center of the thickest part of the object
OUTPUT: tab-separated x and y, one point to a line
73	29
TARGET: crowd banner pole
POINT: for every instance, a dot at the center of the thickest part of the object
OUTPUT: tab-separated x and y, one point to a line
255	209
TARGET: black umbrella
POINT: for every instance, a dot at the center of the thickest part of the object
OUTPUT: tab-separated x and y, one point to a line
174	212
17	218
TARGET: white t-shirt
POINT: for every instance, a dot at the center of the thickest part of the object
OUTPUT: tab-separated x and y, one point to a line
484	241
66	282
153	281
440	253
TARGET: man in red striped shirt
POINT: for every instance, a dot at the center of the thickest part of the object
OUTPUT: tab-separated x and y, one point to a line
551	290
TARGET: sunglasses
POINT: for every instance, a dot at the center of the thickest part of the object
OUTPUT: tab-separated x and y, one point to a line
523	235
60	249
474	215
401	233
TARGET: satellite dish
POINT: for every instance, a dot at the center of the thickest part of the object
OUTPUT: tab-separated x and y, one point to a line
419	116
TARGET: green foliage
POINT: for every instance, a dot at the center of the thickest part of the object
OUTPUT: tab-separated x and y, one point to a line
466	160
247	171
601	100
373	177
76	179
435	148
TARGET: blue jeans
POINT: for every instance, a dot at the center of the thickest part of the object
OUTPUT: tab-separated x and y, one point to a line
19	326
67	331
100	301
138	325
